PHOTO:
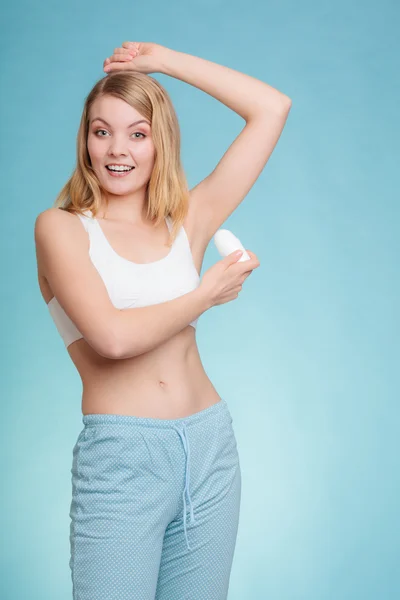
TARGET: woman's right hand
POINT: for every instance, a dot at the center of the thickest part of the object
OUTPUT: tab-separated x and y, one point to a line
223	281
143	57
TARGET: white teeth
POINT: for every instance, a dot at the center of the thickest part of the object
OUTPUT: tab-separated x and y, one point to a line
116	168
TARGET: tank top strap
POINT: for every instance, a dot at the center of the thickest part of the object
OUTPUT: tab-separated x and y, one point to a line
86	219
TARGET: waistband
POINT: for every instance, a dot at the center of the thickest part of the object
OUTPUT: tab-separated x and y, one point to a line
115	419
180	425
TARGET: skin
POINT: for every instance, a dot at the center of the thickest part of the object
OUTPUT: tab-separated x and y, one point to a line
133	146
169	381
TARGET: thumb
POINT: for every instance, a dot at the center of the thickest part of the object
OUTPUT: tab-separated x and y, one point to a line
233	257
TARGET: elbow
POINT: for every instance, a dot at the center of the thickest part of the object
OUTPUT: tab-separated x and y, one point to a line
105	347
289	101
286	103
109	349
116	351
107	344
114	344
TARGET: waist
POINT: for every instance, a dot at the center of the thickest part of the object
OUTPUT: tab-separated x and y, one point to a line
96	419
168	388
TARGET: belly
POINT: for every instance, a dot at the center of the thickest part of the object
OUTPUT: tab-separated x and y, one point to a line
168	382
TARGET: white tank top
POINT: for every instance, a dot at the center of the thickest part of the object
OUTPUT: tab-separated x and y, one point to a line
130	284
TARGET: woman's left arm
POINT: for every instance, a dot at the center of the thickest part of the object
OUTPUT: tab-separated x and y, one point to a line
264	108
247	96
265	111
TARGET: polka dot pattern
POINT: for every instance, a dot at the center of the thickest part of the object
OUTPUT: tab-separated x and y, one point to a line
155	507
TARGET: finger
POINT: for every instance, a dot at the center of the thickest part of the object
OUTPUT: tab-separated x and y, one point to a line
131	51
122	53
121	57
253	257
130	45
125	50
117	66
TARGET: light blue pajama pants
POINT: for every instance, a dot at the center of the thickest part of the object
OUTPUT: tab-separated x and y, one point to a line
155	507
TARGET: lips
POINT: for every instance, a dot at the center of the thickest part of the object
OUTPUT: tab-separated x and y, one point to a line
130	166
119	173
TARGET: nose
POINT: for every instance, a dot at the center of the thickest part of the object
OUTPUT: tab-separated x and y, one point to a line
117	146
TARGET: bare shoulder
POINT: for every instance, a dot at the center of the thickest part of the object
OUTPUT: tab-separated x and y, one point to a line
55	226
54	222
52	217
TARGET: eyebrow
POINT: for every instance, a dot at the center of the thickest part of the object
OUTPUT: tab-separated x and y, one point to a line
131	125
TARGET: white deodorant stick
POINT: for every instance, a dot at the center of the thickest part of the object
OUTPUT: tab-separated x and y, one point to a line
226	243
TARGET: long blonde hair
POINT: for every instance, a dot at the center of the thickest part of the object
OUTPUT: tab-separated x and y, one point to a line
167	191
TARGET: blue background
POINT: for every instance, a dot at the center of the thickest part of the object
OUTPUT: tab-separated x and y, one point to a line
306	356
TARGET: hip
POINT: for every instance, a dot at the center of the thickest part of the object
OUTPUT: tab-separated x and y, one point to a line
123	465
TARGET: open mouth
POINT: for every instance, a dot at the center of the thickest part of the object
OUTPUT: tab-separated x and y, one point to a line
119	172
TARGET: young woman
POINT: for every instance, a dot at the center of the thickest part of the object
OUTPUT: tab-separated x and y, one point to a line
119	259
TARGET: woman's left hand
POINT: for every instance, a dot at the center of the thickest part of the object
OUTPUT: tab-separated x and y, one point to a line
144	57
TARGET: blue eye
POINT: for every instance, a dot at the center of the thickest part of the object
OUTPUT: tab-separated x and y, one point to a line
98	130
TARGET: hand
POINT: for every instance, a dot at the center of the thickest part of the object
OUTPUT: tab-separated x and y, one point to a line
223	281
143	57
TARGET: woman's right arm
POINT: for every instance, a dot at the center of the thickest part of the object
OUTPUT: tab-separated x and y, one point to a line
62	247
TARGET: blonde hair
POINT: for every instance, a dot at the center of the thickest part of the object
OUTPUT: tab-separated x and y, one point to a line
167	192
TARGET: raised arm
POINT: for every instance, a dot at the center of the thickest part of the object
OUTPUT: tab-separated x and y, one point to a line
62	247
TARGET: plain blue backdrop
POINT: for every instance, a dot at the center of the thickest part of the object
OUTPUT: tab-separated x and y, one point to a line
307	357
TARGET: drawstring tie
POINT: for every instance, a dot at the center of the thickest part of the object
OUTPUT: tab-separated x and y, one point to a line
185	442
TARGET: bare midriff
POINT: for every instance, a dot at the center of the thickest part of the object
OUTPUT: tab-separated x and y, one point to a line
168	382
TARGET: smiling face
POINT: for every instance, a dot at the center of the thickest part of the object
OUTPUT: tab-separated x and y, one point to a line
119	135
